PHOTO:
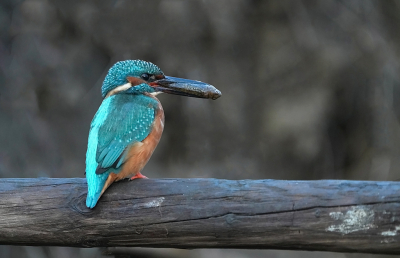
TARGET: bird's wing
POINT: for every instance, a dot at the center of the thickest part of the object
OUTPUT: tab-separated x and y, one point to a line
123	127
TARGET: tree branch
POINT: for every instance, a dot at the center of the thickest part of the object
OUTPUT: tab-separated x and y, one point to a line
327	215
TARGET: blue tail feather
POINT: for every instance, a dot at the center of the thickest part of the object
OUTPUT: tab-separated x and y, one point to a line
91	201
95	186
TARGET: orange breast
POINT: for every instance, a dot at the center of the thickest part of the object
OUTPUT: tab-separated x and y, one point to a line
140	152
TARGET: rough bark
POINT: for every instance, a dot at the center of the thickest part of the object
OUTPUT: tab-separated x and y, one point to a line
327	215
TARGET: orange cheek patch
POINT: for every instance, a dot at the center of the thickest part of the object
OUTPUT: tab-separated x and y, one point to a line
134	81
159	76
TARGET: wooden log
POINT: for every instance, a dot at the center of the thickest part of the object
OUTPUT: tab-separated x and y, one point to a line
326	215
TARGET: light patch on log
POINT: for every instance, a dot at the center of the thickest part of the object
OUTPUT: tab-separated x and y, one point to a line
356	219
154	203
391	232
388	241
150	204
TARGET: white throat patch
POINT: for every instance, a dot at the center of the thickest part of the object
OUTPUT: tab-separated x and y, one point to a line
119	89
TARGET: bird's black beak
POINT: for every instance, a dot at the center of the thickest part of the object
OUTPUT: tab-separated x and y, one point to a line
184	87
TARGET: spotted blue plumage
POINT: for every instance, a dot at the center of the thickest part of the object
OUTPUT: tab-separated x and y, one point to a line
130	123
122	120
117	74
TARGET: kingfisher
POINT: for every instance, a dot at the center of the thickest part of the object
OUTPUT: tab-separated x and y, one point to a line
129	122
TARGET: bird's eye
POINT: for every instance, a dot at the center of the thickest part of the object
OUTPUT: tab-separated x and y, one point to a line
145	76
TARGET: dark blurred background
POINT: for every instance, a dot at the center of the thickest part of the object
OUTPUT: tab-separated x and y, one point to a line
310	91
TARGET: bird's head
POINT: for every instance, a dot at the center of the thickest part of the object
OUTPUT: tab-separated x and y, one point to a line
141	77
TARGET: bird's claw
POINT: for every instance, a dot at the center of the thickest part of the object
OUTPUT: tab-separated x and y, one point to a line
138	175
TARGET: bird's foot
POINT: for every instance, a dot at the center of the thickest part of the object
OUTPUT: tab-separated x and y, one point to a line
138	175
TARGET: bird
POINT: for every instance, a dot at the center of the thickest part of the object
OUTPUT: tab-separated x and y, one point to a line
129	123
